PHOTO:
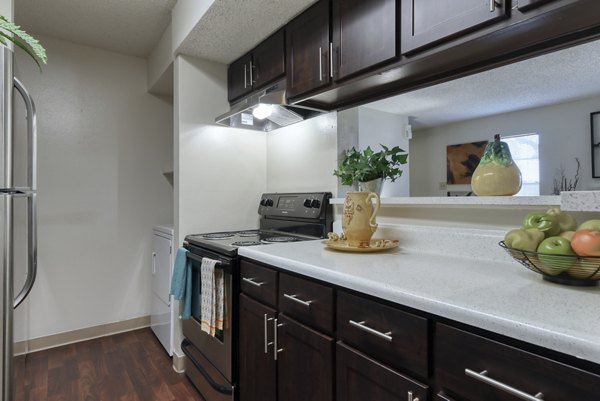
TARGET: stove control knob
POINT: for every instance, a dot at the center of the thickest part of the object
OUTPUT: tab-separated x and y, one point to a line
315	203
307	203
269	202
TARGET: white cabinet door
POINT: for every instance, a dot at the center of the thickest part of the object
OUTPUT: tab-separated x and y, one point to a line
161	267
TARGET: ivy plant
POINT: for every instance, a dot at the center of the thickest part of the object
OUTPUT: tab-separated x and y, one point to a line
367	165
9	31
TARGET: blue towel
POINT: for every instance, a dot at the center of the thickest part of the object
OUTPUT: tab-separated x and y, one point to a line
181	282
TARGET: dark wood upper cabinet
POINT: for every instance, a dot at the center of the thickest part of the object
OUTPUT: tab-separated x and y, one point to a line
257	369
268	60
525	5
305	363
364	35
425	22
307	50
238	78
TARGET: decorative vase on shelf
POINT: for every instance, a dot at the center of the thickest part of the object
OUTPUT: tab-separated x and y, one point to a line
358	218
371	186
497	174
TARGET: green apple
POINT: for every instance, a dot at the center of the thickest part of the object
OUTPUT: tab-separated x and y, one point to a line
567	234
555	255
565	220
546	223
524	240
590	225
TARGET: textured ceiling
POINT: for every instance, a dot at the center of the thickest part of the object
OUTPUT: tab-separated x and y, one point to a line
562	76
232	27
125	26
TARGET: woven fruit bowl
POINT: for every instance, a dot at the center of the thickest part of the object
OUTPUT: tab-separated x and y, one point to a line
563	269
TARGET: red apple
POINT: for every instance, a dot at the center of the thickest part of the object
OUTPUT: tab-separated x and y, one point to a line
586	243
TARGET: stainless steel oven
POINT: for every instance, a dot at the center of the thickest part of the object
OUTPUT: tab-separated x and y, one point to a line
212	361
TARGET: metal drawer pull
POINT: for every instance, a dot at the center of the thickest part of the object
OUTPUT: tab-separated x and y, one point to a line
483	377
301	302
275	340
320	63
245	76
267	343
361	325
411	397
494	4
331	59
251	281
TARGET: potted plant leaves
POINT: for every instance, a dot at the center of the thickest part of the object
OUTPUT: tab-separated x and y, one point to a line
369	168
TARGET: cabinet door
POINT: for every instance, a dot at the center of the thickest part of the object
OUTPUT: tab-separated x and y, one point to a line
239	80
425	22
364	34
305	363
268	60
257	367
307	50
362	378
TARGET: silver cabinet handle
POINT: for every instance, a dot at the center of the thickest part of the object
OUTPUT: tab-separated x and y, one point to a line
494	4
153	263
320	63
245	76
251	74
295	299
276	350
483	377
252	282
411	397
361	325
266	340
331	59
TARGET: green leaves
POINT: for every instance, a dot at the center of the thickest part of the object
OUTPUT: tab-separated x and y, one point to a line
369	165
22	39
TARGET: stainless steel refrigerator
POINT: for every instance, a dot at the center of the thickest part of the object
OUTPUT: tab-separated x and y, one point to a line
17	223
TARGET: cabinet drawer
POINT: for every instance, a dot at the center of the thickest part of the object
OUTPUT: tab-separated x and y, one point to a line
309	302
259	282
397	338
362	378
462	356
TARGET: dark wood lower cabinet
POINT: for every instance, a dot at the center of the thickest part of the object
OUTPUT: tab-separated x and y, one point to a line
305	363
475	368
361	378
257	368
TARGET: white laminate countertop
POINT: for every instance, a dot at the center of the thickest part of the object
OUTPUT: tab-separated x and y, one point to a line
501	297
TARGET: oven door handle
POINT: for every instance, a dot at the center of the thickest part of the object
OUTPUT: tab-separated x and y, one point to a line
226	266
219	387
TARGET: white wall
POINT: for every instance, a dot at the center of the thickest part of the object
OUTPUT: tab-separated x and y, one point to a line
103	145
219	172
564	131
301	157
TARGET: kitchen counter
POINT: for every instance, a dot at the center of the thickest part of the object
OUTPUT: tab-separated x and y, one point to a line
499	296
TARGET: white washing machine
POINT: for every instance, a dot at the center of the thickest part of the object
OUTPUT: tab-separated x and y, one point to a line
161	308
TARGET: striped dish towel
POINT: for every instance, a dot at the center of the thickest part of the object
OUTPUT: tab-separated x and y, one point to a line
212	299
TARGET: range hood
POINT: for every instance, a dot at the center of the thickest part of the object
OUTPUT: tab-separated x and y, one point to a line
266	110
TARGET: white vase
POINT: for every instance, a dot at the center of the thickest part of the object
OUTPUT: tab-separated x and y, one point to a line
375	185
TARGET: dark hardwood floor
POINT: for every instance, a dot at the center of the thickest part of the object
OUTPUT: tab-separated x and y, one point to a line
130	366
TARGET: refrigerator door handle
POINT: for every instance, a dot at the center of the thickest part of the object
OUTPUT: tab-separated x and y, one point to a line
31	196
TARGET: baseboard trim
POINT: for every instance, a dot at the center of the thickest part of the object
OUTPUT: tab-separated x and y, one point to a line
178	363
74	336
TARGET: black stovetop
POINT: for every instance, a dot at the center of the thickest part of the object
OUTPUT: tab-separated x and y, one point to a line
228	242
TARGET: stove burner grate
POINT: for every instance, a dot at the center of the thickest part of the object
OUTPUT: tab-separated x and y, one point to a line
248	233
280	239
217	235
246	243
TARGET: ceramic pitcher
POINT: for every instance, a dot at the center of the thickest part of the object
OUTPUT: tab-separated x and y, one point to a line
358	220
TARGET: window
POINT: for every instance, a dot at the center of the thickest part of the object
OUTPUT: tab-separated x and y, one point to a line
525	153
